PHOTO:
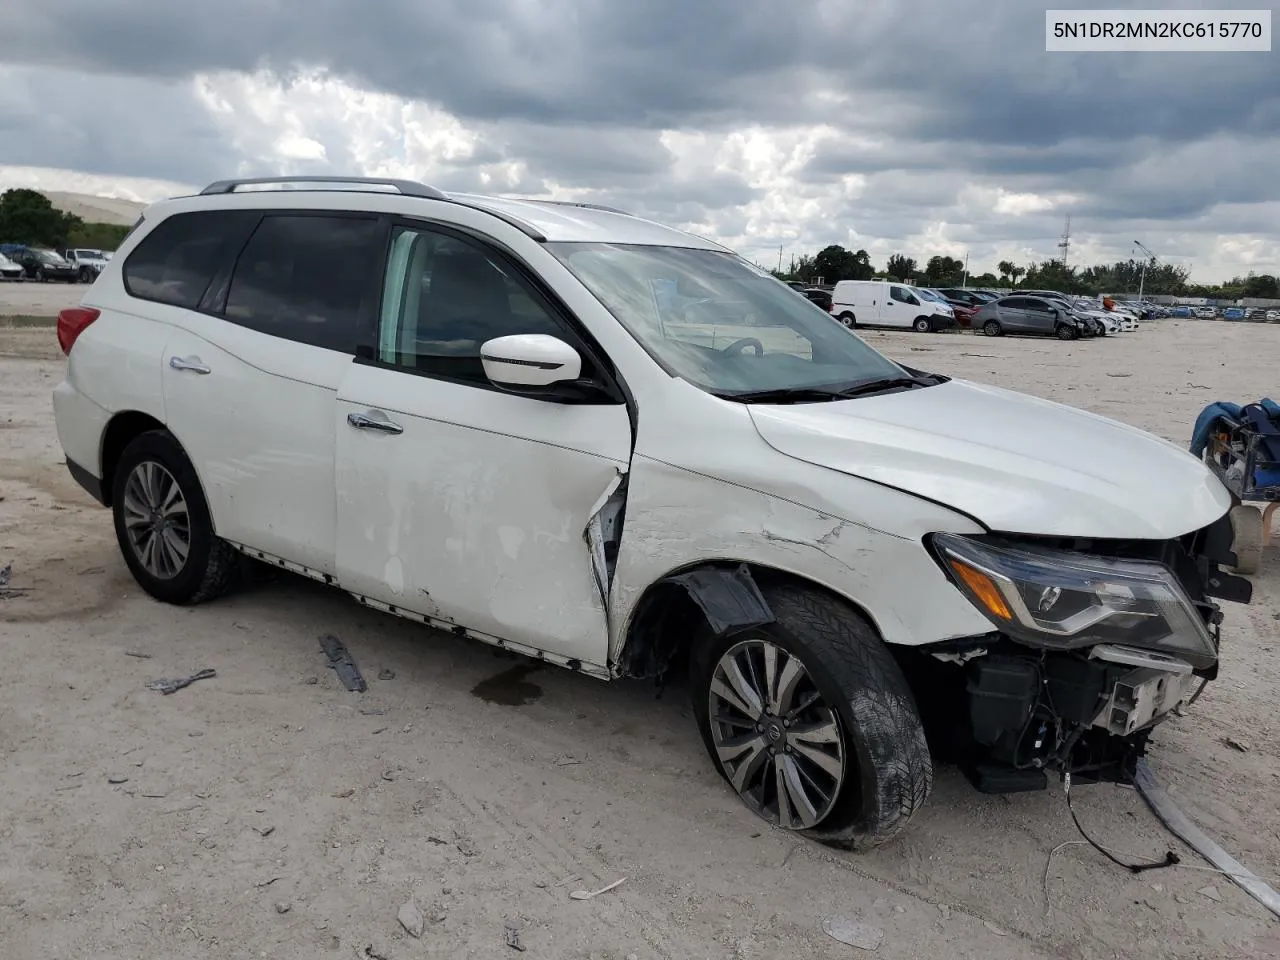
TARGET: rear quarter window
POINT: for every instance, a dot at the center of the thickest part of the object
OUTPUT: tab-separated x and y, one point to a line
176	261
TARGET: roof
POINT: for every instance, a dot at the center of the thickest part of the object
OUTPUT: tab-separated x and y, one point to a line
545	220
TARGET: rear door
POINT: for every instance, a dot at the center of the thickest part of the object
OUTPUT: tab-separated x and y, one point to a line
250	376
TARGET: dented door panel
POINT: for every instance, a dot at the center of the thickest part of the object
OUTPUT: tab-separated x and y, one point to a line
477	512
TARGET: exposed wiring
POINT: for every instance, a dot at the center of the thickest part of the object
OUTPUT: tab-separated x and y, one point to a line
1170	859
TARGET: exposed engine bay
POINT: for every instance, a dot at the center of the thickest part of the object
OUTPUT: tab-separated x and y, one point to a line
1008	708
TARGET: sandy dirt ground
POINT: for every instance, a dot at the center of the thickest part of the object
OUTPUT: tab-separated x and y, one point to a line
268	812
30	299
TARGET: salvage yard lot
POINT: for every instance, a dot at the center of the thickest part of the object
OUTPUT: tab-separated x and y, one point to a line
477	785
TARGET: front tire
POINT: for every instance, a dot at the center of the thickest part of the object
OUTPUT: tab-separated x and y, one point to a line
992	328
1067	333
86	275
811	722
922	325
163	524
848	319
40	277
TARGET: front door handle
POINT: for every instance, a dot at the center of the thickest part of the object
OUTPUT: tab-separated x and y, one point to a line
373	421
193	364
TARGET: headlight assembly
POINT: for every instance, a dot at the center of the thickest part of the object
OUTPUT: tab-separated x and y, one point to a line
1061	600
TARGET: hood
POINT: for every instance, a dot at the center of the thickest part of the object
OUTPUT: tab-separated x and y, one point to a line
1015	463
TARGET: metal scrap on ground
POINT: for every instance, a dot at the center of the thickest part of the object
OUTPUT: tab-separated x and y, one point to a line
342	664
1181	826
172	685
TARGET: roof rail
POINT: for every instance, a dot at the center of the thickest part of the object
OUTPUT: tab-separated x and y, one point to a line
586	206
408	188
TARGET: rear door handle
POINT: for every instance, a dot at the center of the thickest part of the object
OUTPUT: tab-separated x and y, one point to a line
373	421
192	364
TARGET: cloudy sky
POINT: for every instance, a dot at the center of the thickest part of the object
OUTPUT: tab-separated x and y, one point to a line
915	126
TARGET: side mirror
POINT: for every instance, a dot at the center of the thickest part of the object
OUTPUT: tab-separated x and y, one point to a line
1054	312
529	361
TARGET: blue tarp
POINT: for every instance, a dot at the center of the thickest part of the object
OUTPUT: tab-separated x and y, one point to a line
1262	417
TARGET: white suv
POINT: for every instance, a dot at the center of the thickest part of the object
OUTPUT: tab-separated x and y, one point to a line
620	448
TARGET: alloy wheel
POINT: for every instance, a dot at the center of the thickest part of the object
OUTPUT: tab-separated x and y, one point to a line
157	520
777	739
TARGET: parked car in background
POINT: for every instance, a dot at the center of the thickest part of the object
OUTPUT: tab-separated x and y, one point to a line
88	262
882	303
1182	313
1233	313
1036	316
10	270
1254	314
818	296
1206	313
966	297
44	265
1273	316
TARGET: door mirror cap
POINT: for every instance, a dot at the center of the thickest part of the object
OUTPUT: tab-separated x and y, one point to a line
527	361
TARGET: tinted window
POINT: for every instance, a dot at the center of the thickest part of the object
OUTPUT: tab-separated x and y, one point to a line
175	262
307	278
444	297
899	294
1015	303
1038	305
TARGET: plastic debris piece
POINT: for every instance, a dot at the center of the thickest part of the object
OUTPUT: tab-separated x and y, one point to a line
588	895
342	664
173	685
851	932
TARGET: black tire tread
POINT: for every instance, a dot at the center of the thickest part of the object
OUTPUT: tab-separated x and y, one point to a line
883	707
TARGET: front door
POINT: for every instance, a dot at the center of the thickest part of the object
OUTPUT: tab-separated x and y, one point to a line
457	500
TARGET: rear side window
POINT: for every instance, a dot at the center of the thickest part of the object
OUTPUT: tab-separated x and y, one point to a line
175	262
308	278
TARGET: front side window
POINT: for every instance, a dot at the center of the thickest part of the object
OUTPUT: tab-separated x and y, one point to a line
900	294
444	297
716	321
308	278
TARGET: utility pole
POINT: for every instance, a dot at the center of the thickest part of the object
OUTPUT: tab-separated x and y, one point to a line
779	258
1142	277
1065	243
964	283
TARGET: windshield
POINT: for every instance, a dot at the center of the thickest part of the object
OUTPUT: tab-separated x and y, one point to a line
930	295
48	256
88	254
725	326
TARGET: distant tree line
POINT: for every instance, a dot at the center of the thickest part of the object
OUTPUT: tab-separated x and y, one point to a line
835	263
27	216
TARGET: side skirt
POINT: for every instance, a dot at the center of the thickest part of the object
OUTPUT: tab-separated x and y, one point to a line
578	666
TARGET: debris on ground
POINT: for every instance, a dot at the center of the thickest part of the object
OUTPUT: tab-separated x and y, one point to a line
265	831
172	685
117	778
588	895
137	653
513	936
386	674
466	846
5	574
851	932
1235	744
373	952
411	919
372	711
341	662
267	883
1211	892
8	593
283	906
343	794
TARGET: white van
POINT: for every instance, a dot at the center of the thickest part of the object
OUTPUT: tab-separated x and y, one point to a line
880	303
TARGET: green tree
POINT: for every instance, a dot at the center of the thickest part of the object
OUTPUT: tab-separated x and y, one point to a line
985	280
27	216
1052	275
901	267
1263	285
1006	269
943	272
835	263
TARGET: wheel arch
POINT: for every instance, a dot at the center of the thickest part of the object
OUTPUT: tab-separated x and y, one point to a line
680	606
120	431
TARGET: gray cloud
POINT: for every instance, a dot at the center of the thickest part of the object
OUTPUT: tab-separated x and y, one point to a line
929	100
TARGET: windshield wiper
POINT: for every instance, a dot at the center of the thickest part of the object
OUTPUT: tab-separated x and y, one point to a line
889	383
831	392
786	395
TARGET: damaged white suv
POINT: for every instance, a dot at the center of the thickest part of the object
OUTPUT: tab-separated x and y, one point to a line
617	447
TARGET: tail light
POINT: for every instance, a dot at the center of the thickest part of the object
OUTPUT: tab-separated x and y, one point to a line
72	322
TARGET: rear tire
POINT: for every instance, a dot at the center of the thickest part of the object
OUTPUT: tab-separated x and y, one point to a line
861	768
922	325
848	319
86	275
992	328
163	524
